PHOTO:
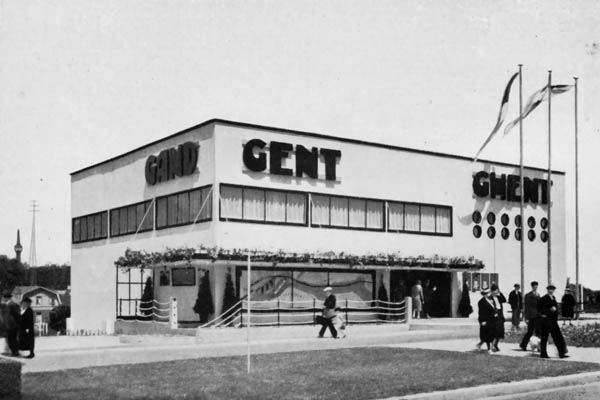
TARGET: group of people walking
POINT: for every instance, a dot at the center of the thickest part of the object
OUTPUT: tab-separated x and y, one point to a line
16	325
540	313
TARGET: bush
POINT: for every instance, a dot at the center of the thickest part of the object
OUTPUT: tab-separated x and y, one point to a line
587	335
204	303
10	379
58	318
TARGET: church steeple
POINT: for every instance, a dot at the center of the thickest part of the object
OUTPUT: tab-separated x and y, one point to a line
18	247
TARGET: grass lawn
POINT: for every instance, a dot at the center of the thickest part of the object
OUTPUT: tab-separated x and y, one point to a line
357	373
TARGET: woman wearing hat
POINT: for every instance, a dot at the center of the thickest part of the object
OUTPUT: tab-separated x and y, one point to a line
487	319
568	306
328	313
499	300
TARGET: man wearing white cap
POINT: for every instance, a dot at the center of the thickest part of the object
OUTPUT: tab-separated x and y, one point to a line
328	313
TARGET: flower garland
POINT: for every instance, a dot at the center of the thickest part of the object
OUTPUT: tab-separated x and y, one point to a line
143	259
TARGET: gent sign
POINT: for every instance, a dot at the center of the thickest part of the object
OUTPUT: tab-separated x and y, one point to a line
505	187
171	163
307	161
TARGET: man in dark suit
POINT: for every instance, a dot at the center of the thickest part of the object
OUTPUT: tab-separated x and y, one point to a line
12	320
531	314
548	312
328	314
515	299
26	332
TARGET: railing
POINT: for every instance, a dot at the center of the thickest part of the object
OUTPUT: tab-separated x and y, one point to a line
283	312
143	311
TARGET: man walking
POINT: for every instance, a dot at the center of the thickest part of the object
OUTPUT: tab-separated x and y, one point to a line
328	313
515	299
531	314
548	312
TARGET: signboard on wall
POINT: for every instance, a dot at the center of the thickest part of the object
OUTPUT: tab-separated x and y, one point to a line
172	163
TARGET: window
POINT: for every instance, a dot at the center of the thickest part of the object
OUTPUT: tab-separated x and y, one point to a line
262	205
184	276
134	218
421	218
90	227
184	208
38	300
130	286
320	209
346	212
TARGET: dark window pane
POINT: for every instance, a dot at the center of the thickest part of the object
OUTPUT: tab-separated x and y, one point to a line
123	220
172	210
83	226
90	226
195	204
183	208
206	213
76	232
104	223
161	212
131	220
140	212
114	222
148	223
97	226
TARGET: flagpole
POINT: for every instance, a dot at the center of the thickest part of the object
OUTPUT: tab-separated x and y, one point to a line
579	291
521	185
549	184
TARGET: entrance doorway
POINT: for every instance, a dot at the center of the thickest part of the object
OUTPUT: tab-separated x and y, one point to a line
436	289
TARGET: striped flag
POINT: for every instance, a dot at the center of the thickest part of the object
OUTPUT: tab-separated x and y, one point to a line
535	100
501	115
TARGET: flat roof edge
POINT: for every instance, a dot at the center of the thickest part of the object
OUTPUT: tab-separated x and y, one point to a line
315	135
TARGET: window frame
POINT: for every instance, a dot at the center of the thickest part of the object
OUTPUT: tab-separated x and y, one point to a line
103	231
127	210
176	195
420	205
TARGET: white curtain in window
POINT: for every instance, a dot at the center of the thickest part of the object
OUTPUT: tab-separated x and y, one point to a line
411	217
374	214
319	209
339	211
442	220
296	208
275	210
395	216
254	204
357	213
231	202
427	219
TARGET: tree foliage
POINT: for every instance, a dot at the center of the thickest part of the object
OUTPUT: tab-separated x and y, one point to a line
147	298
58	318
12	273
229	297
204	302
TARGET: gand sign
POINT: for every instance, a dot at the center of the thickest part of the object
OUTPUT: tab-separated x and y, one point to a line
306	160
171	163
505	187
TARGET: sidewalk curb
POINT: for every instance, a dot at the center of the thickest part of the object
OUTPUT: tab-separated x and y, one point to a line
506	388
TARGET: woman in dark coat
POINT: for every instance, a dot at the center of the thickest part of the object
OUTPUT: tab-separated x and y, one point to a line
26	332
499	300
487	319
464	307
568	306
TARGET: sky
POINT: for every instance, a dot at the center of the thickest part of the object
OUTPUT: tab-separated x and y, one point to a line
84	81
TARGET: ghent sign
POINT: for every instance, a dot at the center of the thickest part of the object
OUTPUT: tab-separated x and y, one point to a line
171	163
505	187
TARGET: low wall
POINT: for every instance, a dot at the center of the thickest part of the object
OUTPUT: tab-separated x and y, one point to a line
10	379
149	328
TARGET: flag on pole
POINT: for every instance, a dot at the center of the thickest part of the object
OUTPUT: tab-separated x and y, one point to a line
501	115
534	101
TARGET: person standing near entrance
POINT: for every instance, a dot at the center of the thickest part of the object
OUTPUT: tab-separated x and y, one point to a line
499	300
515	299
328	313
12	320
417	299
531	314
26	332
568	306
548	312
487	319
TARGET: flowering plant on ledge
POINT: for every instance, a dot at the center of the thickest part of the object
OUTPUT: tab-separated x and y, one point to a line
143	259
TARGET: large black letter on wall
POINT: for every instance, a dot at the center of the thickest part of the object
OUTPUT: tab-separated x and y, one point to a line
256	164
531	191
279	151
511	188
175	162
331	157
498	186
307	162
189	154
481	189
151	170
162	166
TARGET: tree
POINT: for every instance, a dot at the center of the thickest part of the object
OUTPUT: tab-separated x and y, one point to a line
58	318
204	302
146	304
229	298
382	296
12	273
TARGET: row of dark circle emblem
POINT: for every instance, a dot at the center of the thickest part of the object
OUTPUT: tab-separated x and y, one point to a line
505	220
505	233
